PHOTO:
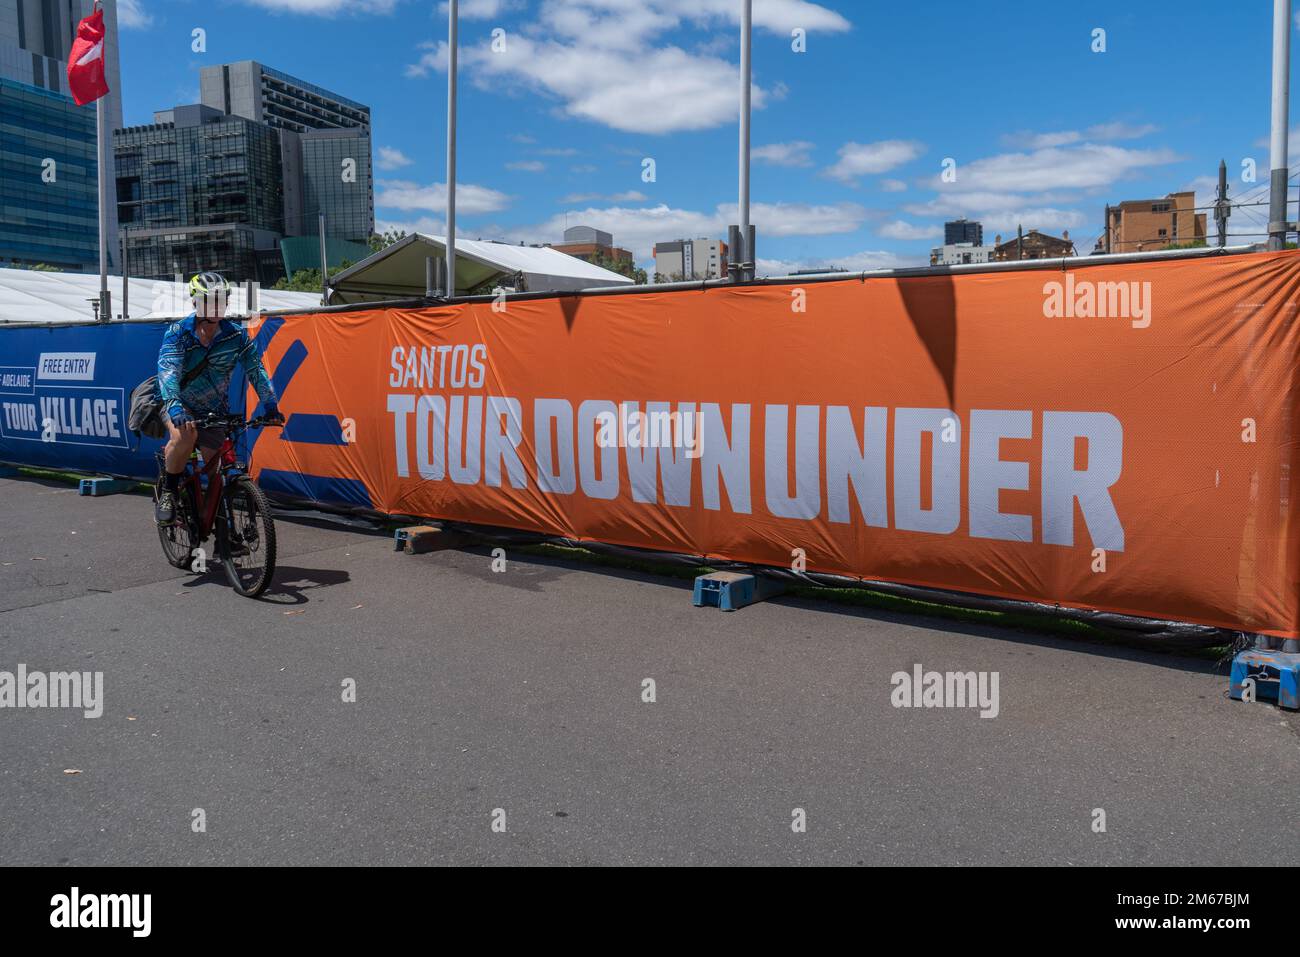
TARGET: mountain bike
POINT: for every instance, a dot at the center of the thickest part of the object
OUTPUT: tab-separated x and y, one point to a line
219	496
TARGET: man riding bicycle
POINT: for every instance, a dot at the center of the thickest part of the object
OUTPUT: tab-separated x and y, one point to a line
208	340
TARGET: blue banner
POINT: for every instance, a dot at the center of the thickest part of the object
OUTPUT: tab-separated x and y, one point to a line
65	394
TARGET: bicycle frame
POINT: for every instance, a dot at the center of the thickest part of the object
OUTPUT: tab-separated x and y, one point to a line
206	504
218	471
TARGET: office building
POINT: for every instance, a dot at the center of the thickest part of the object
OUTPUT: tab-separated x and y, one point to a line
200	190
960	231
590	245
325	145
48	164
1136	225
686	259
960	254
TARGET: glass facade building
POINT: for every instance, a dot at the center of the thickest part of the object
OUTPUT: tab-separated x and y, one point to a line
53	222
336	179
48	180
319	130
198	190
963	231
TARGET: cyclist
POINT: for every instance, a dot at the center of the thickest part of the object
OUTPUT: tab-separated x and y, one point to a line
204	338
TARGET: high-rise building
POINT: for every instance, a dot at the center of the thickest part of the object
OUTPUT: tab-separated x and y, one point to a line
48	164
218	184
686	259
336	179
963	231
258	93
325	145
198	190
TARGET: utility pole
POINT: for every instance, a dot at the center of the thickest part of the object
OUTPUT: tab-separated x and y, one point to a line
324	267
1277	206
1106	229
453	16
1221	208
126	294
746	233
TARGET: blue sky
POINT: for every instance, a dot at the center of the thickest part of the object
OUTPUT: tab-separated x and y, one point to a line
850	135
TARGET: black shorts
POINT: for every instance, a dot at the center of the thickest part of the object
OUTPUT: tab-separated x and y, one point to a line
210	438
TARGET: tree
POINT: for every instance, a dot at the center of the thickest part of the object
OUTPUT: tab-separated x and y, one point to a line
624	267
36	267
378	242
306	280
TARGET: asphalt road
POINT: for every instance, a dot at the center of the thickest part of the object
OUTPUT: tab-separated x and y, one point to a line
522	691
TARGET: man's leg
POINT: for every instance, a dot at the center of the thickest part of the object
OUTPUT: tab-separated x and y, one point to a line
180	443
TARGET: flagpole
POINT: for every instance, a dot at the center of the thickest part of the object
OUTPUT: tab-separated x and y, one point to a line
452	17
105	307
101	114
746	39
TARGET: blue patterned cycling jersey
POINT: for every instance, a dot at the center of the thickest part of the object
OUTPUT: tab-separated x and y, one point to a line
181	351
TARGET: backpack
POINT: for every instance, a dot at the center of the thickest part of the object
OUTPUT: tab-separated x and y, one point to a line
146	409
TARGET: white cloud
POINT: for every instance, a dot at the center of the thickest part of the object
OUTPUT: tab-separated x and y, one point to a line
481	9
784	154
470	199
1086	166
391	158
867	159
853	262
597	57
598	84
428	225
631	196
1117	130
1044	219
1038	189
893	185
526	166
325	8
131	15
900	229
798	219
638	229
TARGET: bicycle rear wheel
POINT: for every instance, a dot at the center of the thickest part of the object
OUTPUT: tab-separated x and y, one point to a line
178	538
248	538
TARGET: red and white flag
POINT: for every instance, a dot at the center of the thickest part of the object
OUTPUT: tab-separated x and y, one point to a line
86	61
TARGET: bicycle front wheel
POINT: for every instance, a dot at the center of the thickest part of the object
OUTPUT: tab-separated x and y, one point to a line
248	539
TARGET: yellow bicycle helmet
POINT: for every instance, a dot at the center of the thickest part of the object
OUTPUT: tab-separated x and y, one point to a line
209	284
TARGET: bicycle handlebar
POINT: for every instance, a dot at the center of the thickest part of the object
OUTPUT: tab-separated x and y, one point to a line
235	422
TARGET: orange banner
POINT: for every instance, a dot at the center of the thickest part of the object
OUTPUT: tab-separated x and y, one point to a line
1111	436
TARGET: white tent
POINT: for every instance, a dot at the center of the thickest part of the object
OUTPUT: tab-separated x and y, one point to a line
30	296
398	272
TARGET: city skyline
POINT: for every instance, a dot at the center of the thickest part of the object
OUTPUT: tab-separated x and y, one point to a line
831	185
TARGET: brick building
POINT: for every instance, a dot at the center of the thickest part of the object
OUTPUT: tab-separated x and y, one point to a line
1136	225
1033	245
588	244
